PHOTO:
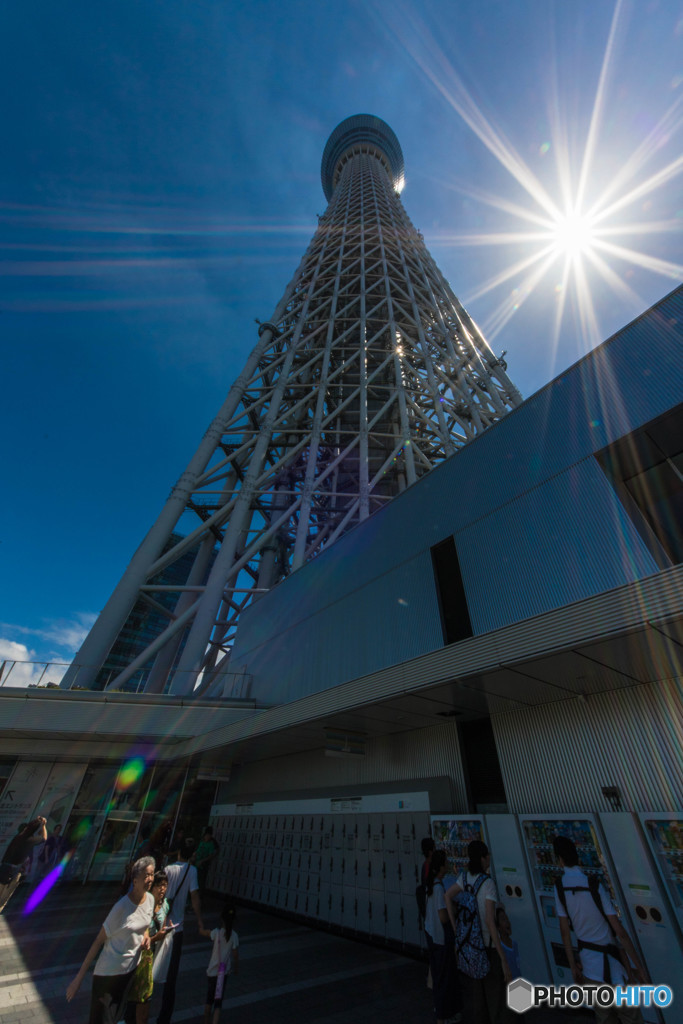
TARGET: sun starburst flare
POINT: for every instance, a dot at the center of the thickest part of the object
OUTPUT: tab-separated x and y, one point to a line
573	234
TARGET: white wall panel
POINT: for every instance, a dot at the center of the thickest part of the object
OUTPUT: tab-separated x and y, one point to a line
421	754
556	758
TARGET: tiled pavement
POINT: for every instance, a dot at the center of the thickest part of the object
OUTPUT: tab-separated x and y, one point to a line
288	972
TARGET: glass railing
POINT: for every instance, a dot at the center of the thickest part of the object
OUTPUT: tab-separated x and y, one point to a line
49	675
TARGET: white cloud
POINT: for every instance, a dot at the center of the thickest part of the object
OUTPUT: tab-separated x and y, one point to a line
11	650
55	644
18	668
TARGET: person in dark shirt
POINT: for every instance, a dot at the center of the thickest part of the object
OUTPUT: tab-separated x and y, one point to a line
427	846
54	849
18	851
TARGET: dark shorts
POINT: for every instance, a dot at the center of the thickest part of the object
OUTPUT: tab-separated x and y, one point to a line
211	993
108	997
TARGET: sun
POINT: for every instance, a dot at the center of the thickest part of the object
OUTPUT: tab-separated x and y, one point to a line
562	231
573	235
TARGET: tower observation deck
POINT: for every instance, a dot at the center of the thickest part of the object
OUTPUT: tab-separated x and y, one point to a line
367	375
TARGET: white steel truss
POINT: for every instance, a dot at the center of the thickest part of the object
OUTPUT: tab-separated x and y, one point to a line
368	375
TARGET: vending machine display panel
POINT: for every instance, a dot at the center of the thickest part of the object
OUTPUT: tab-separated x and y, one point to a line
664	834
453	834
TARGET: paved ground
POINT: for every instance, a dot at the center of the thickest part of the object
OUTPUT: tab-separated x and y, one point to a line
288	973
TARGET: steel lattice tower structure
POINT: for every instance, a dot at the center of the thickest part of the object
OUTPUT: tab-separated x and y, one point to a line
368	374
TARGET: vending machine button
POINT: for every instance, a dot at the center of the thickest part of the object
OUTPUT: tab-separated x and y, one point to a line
641	912
655	914
518	891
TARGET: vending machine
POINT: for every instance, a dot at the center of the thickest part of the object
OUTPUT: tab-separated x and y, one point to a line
516	893
664	834
538	832
651	915
509	870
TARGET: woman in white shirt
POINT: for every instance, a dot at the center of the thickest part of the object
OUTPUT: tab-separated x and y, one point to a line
440	941
123	935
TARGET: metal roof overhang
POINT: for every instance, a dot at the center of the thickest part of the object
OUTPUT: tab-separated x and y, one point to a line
73	724
620	638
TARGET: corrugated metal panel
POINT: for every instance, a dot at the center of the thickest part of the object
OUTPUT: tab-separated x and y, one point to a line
563	541
421	754
615	613
403	603
557	758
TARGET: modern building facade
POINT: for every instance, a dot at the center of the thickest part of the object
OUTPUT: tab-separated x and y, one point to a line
508	667
495	652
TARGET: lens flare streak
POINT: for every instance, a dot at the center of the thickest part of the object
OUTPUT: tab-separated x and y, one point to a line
45	885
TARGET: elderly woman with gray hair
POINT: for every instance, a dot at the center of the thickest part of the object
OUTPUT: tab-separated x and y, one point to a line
124	934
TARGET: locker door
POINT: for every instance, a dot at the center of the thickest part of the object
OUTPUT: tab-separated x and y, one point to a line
325	901
363	911
326	866
363	835
350	835
377	855
392	860
313	885
377	913
349	908
409	855
413	935
394	917
336	895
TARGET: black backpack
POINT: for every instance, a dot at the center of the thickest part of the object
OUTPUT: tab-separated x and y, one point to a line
608	949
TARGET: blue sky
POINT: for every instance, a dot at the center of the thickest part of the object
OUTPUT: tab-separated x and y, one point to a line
160	181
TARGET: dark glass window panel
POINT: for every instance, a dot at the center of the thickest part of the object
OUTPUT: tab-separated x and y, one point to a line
646	469
455	616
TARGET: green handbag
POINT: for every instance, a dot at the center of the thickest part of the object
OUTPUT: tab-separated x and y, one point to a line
141	989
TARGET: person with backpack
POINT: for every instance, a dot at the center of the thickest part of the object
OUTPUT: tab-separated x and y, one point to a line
483	968
440	942
583	904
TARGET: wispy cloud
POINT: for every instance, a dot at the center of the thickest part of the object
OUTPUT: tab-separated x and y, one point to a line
54	640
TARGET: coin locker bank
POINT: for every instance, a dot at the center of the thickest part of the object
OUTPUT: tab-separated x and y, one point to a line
351	864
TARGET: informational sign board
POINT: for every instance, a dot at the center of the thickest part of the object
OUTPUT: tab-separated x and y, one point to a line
20	796
59	794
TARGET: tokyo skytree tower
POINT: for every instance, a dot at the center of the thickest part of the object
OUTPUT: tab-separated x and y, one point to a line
367	375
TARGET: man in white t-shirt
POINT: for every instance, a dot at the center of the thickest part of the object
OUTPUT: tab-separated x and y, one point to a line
182	880
597	933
